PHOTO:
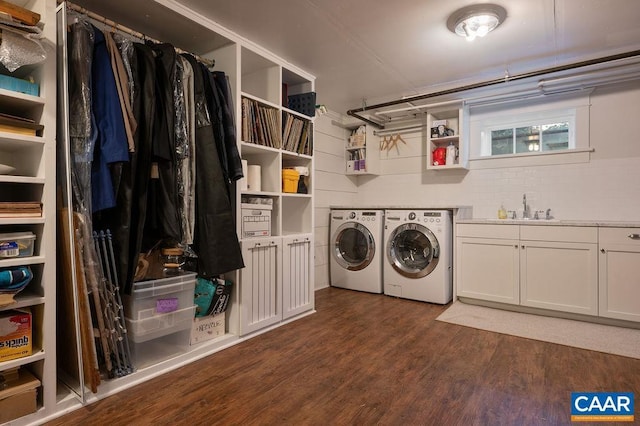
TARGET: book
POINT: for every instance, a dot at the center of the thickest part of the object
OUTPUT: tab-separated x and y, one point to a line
19	125
19	13
7	214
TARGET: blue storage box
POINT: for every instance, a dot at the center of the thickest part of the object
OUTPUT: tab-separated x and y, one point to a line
19	85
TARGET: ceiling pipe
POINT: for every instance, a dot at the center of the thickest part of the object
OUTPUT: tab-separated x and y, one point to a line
355	112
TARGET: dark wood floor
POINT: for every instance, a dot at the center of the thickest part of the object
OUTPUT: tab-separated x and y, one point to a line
367	359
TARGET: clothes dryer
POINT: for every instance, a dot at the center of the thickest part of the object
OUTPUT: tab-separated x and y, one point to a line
418	255
356	249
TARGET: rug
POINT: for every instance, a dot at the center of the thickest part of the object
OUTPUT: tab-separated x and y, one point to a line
579	334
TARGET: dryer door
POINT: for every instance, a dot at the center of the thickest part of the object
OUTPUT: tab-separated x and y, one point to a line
353	246
413	250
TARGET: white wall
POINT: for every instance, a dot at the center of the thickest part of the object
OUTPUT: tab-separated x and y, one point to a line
331	187
607	188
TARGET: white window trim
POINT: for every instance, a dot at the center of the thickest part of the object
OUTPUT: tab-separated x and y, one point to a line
575	107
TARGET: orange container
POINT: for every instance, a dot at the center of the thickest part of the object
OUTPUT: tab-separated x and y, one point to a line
290	180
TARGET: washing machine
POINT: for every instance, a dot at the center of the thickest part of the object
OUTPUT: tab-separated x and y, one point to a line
418	255
356	249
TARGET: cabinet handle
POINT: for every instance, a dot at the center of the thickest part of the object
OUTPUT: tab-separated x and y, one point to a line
516	246
522	247
634	236
602	251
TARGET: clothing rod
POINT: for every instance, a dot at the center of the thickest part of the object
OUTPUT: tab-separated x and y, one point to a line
418	107
108	22
408	129
357	112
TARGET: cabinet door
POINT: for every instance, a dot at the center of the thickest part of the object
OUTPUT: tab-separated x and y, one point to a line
488	269
559	276
619	274
260	284
297	291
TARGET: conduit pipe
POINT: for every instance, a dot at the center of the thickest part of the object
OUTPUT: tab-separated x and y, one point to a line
356	111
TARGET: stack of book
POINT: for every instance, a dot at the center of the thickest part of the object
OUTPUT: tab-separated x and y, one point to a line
297	134
19	125
20	209
260	124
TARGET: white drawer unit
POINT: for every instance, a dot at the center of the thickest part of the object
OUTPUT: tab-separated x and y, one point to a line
619	273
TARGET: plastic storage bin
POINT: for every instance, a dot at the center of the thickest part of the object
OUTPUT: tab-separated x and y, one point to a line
152	298
16	244
290	180
160	325
154	351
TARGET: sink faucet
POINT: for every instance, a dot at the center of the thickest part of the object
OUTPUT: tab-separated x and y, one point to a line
525	212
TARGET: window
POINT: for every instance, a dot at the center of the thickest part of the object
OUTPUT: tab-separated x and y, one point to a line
527	134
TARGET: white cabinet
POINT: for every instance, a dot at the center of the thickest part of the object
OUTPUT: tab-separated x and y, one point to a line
488	262
619	272
33	158
297	288
362	152
549	267
447	128
260	284
276	282
559	268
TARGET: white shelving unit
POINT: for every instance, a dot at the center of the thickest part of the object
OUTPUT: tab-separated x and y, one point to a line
254	73
34	159
455	118
266	82
362	153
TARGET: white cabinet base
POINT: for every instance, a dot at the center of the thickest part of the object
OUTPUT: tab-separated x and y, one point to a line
559	276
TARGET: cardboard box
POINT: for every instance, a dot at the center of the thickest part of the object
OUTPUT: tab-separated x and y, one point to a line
256	220
15	334
20	397
207	328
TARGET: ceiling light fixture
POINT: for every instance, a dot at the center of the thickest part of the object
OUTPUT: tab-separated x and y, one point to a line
476	20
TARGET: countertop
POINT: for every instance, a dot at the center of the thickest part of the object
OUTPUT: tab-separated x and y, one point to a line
553	222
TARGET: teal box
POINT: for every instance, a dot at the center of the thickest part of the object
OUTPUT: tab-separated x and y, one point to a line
19	85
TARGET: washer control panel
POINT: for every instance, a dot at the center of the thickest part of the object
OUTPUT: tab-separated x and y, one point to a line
424	216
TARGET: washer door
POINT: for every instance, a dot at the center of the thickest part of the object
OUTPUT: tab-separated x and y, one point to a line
413	250
353	246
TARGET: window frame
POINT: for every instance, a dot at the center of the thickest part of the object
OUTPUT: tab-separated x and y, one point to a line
529	120
516	113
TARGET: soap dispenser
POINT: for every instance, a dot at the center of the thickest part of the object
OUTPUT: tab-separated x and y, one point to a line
502	213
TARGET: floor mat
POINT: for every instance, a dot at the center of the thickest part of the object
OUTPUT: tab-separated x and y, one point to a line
579	334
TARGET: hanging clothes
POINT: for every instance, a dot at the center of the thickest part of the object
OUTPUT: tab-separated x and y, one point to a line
215	110
163	220
143	70
111	148
215	240
121	78
185	147
82	139
234	161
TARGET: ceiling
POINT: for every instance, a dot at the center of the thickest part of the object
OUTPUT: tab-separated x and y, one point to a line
363	52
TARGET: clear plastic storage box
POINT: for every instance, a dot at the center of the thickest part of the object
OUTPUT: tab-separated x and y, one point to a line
160	349
158	297
16	244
